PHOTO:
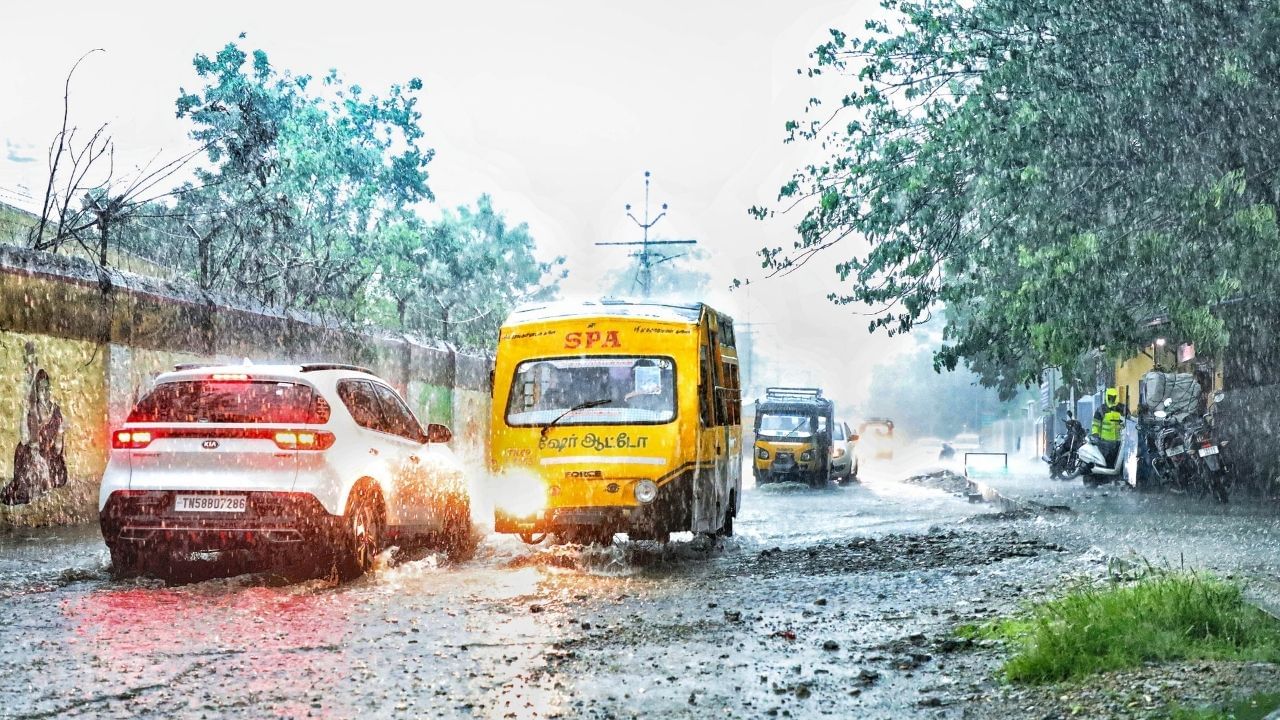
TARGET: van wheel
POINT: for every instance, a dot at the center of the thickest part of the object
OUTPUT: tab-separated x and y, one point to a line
726	529
364	528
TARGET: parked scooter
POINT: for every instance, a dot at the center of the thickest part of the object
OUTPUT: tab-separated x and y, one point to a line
1063	458
1096	469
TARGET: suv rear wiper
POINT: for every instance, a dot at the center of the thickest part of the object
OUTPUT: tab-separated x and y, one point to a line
579	406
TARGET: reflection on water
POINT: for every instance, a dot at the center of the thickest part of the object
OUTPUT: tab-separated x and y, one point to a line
274	643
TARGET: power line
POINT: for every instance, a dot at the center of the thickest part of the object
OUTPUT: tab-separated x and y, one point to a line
648	258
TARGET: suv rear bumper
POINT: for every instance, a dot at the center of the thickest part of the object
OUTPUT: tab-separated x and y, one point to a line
270	519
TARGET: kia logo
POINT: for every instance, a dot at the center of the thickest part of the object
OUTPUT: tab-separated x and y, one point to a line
209	444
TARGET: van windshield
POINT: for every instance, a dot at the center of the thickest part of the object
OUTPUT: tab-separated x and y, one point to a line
785	426
619	390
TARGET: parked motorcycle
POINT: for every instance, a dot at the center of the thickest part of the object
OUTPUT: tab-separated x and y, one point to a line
1063	457
1173	466
1213	475
1194	463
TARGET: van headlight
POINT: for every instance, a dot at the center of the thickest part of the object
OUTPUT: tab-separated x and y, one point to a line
520	495
646	491
762	453
837	453
806	456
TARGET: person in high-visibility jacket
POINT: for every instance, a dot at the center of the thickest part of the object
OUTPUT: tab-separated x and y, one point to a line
1108	423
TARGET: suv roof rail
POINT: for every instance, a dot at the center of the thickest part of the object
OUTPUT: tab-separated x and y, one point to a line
191	366
316	367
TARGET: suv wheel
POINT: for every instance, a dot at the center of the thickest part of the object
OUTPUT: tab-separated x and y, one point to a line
126	561
364	525
459	537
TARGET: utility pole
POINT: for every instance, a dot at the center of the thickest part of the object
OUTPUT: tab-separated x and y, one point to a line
646	257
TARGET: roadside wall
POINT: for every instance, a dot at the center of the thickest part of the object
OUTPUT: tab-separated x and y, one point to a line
79	345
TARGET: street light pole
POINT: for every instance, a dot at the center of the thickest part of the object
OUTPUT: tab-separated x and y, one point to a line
646	257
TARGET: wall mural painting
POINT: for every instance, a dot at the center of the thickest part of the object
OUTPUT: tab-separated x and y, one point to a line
38	462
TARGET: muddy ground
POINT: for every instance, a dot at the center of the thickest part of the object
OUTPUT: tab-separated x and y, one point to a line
838	603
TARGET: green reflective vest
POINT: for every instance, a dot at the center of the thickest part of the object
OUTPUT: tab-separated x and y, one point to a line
1108	422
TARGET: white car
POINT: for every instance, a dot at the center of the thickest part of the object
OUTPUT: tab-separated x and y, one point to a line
305	464
844	453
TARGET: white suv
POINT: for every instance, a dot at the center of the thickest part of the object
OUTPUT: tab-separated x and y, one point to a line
306	464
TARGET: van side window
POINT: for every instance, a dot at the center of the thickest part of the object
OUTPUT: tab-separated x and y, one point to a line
706	384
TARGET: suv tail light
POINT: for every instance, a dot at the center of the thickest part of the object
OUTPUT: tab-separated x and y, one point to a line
284	439
303	440
130	439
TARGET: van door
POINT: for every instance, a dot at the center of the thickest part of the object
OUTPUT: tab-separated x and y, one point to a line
709	496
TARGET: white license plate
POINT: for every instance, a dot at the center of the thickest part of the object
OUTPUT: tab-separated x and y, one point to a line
1207	451
1173	451
211	503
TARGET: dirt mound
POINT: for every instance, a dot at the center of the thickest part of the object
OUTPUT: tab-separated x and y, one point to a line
897	553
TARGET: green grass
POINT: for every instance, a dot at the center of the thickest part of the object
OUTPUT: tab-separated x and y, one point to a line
1160	618
1255	707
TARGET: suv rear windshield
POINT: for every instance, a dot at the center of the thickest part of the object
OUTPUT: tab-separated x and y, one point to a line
212	401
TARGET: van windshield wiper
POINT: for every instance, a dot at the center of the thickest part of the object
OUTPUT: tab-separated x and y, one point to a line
575	408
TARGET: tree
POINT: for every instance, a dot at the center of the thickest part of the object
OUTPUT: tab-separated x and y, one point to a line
1052	174
85	198
457	278
307	178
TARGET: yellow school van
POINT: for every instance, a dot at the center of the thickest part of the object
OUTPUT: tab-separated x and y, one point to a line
616	416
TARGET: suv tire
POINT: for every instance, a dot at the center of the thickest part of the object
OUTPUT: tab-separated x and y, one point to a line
364	524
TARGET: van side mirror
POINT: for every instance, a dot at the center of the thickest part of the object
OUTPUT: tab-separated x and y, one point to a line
437	433
854	437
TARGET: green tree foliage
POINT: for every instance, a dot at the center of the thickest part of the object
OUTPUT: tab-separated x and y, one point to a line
310	201
457	278
307	177
1053	173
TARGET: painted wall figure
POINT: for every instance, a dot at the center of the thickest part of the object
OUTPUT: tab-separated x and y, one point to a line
38	462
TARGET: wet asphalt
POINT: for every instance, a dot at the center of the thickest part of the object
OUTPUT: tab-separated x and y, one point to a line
830	603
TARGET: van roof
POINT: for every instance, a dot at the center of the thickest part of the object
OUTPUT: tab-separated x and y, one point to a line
668	312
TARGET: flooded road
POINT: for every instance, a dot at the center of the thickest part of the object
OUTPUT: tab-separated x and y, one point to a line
827	603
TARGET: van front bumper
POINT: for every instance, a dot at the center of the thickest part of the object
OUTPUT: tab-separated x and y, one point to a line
555	519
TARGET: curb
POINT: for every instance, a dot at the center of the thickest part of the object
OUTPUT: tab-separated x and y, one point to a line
984	492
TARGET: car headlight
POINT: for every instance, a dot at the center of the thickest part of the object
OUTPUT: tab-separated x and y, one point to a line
646	491
837	452
806	456
762	453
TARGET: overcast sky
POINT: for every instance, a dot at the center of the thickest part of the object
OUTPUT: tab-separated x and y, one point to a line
555	109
